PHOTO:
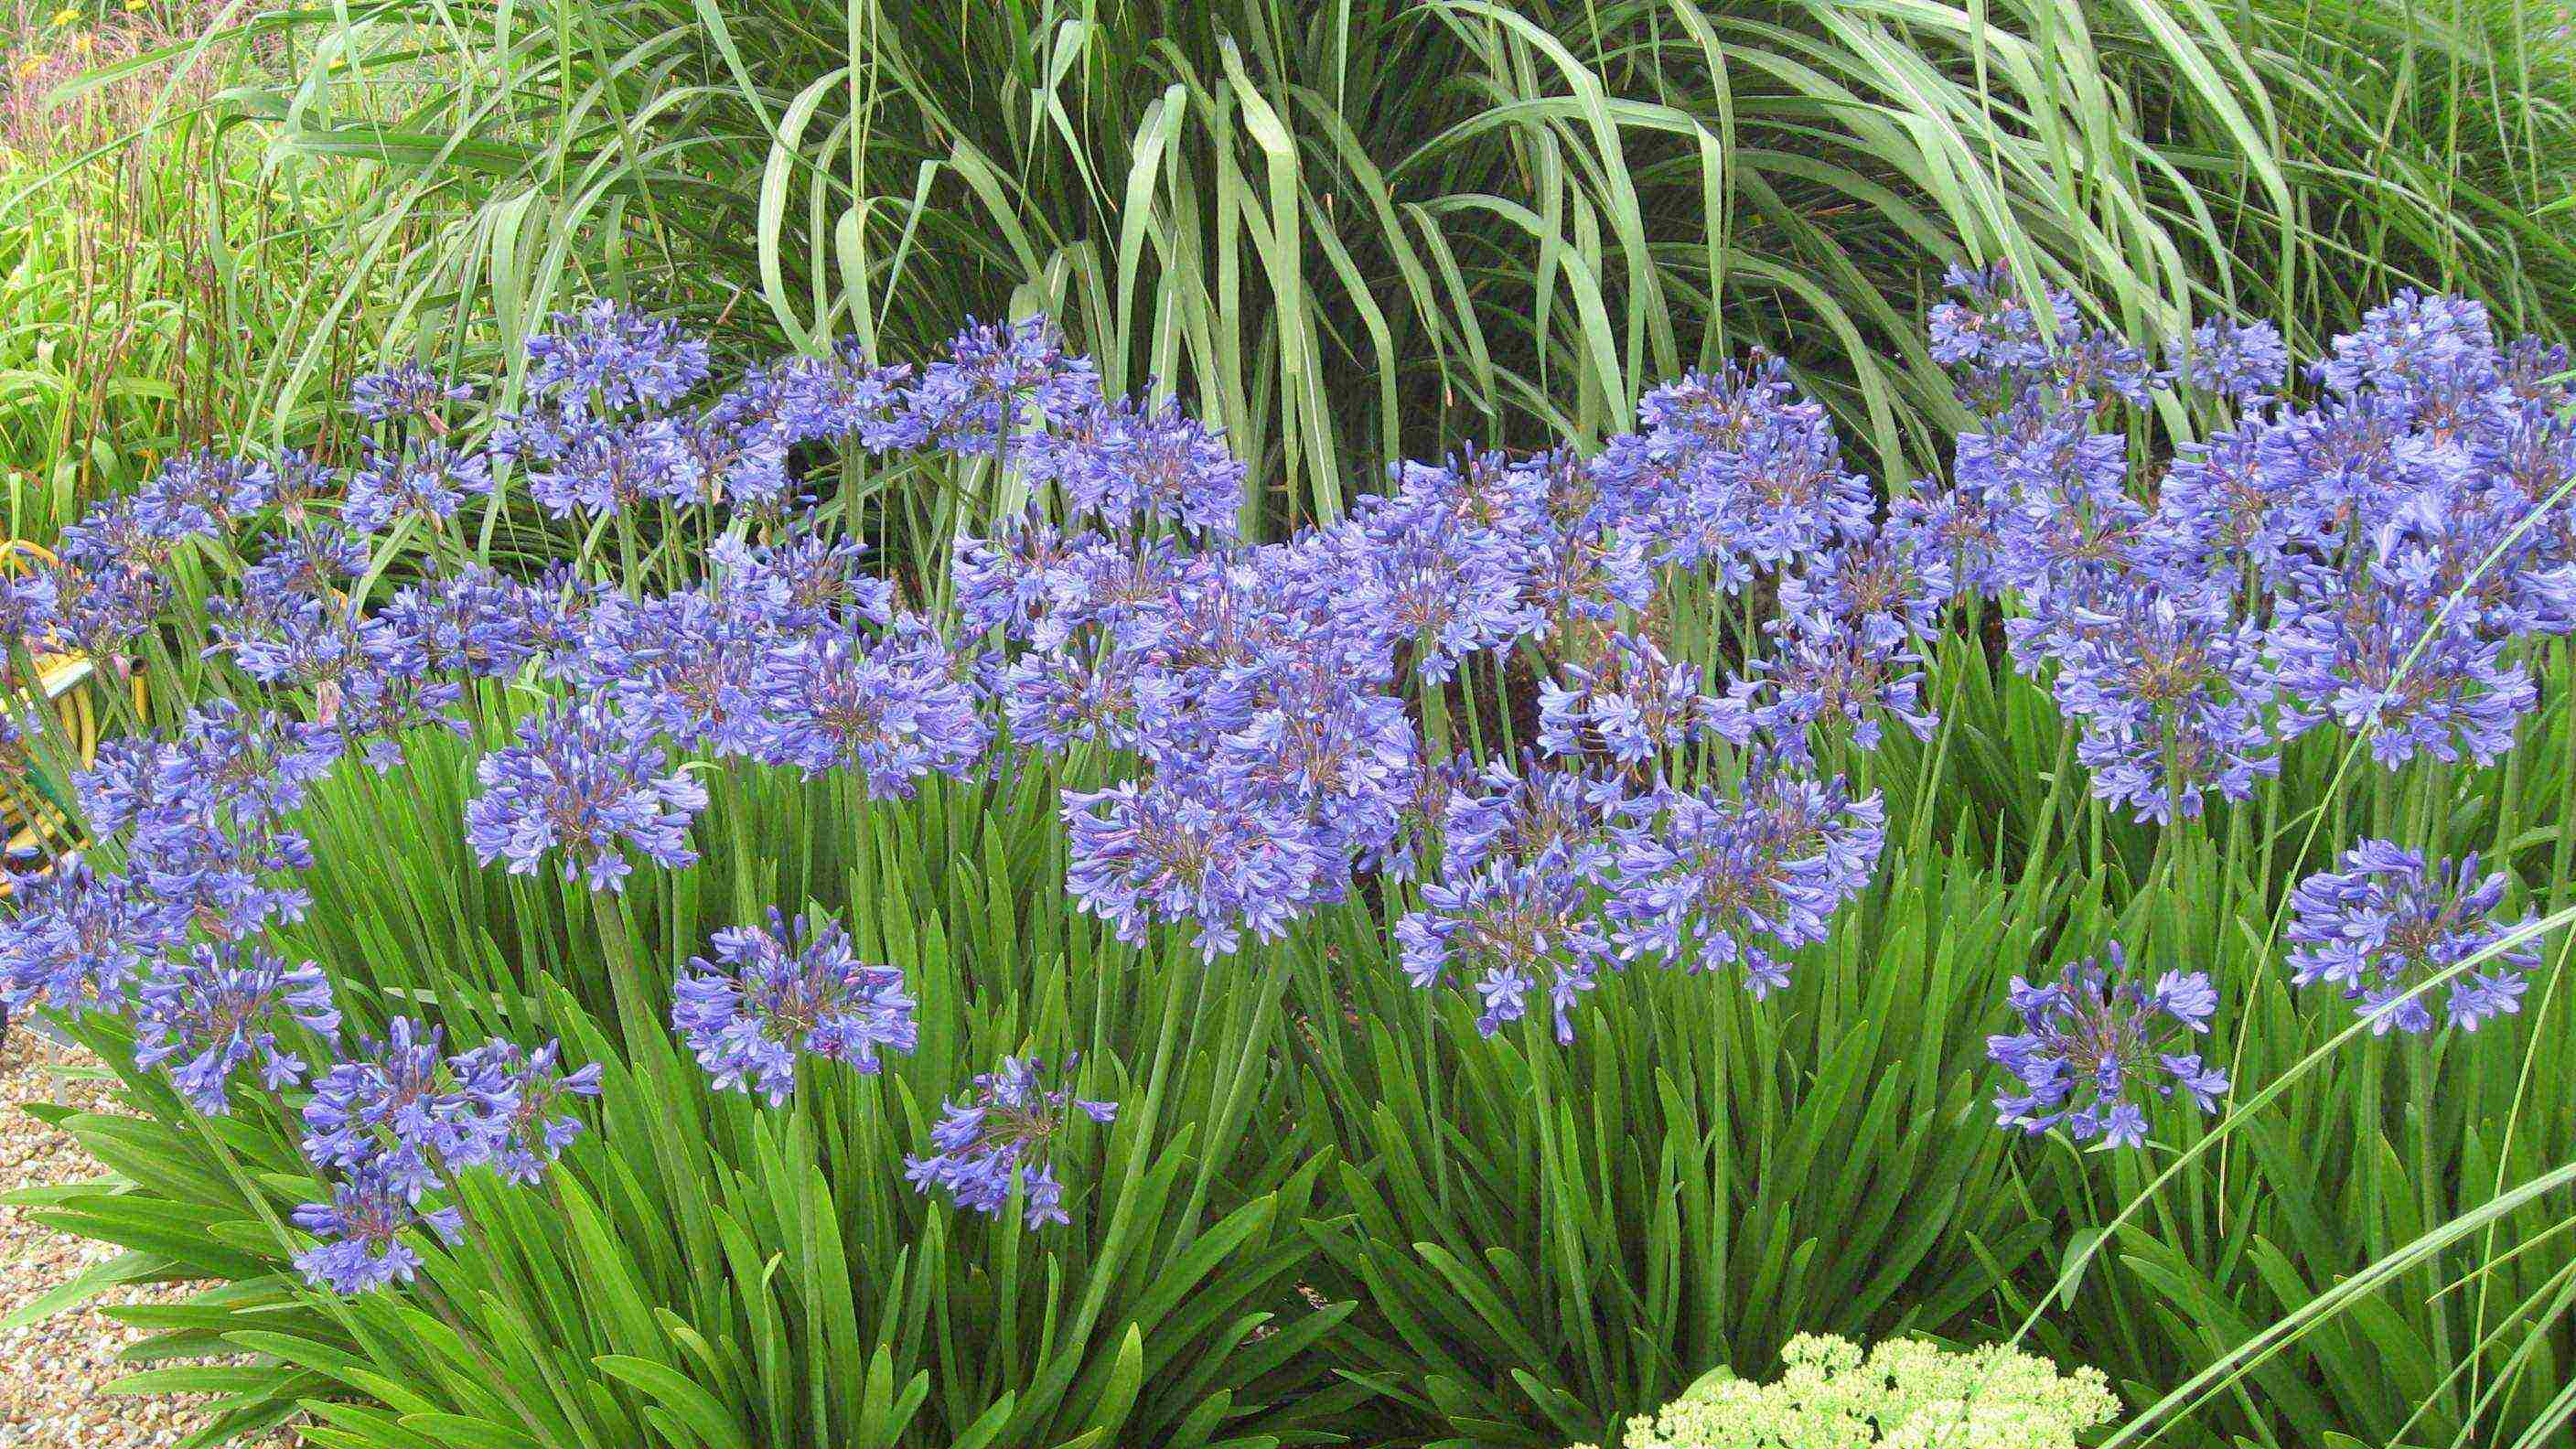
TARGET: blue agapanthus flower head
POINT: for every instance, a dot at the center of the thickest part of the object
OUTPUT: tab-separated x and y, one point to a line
608	358
427	482
1632	704
531	1096
366	1229
2097	1045
1836	675
683	664
2395	657
2384	924
27	605
206	1017
2169	685
77	940
404	390
1128	462
1556	811
199	494
1716	882
769	996
2246	361
999	1137
1171	849
584	785
399	1103
889	709
998	382
1508	932
2413	345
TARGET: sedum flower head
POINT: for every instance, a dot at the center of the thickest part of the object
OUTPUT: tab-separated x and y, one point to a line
1900	1395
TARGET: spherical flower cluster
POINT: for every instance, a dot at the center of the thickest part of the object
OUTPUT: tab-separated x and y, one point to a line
581	781
397	1119
605	358
404	390
1900	1395
205	1018
889	710
1128	462
771	996
1161	850
427	483
1713	882
1633	705
996	1141
2095	1045
364	1231
2169	688
533	1121
2242	360
2386	926
1509	930
80	939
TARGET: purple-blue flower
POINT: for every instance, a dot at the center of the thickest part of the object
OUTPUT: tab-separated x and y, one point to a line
532	1112
362	1231
1140	853
769	996
889	710
404	390
2385	924
2096	1046
581	783
427	481
608	358
207	1017
77	940
1715	882
997	1139
398	1103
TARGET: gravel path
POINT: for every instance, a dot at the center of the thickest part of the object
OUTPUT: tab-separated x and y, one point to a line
51	1374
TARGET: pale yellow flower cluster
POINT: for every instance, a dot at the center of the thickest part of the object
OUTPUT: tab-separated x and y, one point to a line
1902	1395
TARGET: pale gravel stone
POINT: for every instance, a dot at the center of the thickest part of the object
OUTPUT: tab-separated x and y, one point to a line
51	1373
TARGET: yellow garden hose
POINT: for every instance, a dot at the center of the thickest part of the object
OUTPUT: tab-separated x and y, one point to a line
30	819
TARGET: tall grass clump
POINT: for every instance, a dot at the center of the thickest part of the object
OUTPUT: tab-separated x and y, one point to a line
2436	138
1462	974
153	259
1354	232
